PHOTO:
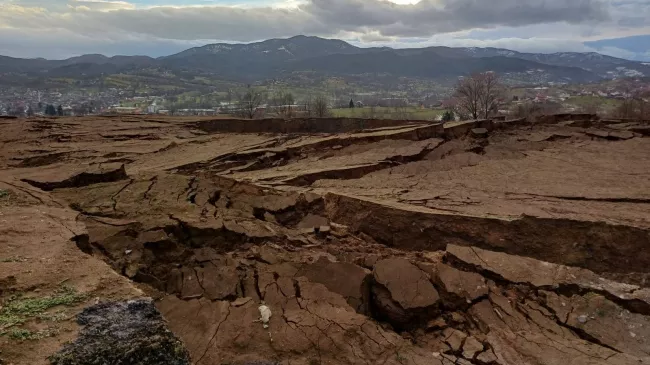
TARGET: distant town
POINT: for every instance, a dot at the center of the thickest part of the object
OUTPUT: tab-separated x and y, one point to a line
602	97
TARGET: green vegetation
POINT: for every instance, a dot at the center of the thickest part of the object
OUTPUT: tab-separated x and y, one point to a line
20	334
594	104
20	309
13	259
4	193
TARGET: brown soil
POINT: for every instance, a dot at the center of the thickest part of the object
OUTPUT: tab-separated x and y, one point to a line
485	242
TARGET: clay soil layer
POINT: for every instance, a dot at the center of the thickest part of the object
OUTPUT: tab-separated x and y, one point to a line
334	241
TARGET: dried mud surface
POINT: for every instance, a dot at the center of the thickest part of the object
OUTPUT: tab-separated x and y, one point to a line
482	242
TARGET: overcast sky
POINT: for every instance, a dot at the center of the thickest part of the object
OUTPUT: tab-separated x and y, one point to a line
63	28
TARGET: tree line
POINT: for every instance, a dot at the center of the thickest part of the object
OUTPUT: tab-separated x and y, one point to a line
255	103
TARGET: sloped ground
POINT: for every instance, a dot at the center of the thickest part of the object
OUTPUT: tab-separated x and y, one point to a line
471	243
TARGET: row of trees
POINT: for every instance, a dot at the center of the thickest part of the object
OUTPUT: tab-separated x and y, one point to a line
476	96
281	104
49	110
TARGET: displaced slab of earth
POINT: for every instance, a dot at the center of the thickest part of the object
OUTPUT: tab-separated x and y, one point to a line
353	242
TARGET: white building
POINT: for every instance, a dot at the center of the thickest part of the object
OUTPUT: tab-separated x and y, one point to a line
153	108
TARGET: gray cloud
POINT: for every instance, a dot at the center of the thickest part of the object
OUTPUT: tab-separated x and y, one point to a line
430	17
315	17
112	23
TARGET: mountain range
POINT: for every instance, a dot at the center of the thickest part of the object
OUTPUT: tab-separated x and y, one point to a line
276	58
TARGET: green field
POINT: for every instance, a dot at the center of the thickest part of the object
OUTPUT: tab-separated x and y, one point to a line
413	113
594	103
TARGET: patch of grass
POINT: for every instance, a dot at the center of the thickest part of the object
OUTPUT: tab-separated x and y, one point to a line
18	309
10	320
14	259
20	334
4	193
53	317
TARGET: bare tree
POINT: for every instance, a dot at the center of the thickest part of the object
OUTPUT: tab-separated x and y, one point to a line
633	107
282	103
317	106
249	102
478	95
491	93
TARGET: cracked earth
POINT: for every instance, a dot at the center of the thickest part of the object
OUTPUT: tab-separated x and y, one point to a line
372	242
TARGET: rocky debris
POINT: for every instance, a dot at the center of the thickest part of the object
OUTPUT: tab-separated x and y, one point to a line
131	332
89	177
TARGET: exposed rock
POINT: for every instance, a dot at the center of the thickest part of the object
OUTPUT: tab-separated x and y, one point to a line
130	332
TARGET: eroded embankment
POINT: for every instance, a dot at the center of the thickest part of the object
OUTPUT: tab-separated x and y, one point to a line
352	281
356	281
